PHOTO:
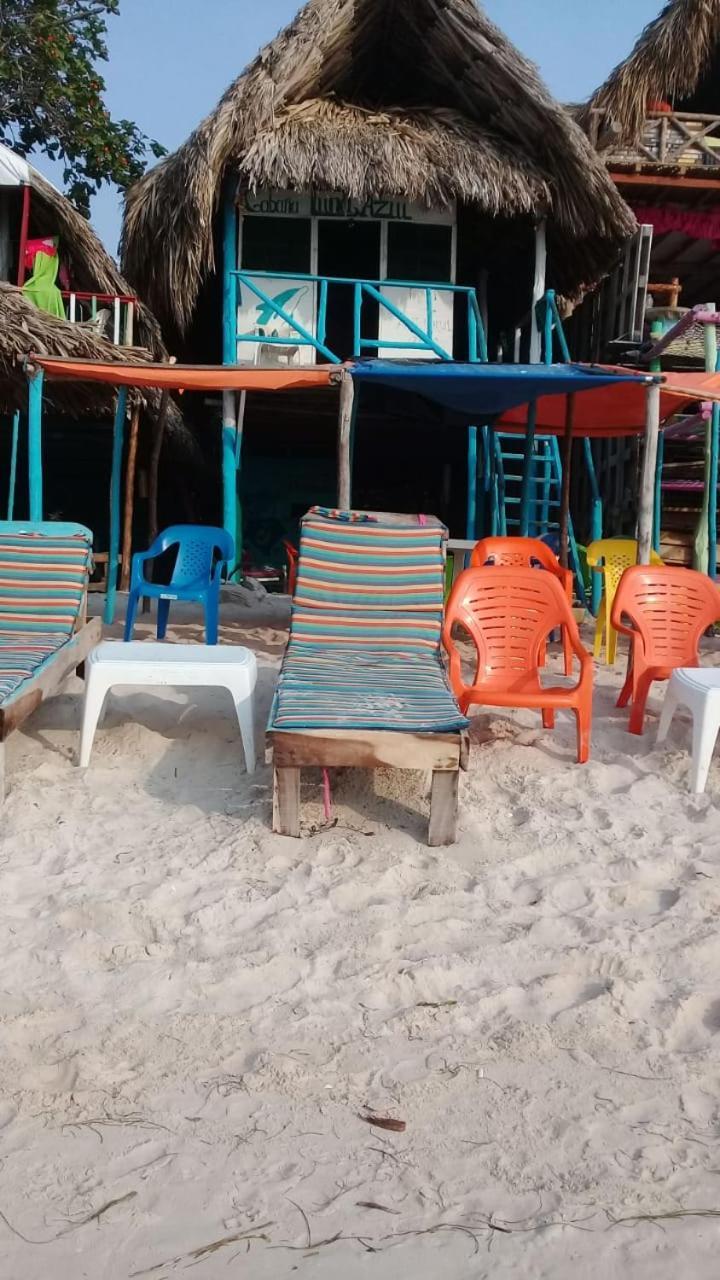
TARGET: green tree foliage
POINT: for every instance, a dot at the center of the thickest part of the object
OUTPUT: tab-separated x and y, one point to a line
51	94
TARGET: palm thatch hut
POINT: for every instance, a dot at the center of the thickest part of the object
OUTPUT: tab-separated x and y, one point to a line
372	146
77	416
411	100
655	122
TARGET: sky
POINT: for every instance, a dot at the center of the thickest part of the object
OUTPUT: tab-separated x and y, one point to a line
170	60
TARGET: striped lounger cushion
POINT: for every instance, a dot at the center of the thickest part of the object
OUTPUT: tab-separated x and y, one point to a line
43	578
364	648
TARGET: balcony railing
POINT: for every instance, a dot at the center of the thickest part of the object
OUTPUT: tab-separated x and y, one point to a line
409	317
113	313
670	140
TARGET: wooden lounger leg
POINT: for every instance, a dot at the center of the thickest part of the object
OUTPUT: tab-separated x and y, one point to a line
286	802
3	776
443	807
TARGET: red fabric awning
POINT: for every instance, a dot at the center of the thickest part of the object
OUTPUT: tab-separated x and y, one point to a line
186	377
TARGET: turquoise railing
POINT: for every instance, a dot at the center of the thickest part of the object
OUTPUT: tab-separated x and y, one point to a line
421	338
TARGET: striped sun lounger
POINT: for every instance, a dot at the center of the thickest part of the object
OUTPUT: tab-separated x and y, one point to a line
362	682
43	634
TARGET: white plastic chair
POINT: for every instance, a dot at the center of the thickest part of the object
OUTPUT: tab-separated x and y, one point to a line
116	662
698	689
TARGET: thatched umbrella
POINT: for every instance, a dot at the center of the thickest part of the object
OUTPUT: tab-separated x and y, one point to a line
671	57
421	100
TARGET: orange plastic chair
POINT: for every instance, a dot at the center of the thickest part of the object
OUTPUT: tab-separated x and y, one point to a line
611	557
509	612
291	555
664	610
525	553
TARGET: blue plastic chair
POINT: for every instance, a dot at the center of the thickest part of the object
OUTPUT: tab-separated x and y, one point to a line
202	559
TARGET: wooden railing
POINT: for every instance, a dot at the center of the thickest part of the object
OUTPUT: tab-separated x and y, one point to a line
670	140
113	313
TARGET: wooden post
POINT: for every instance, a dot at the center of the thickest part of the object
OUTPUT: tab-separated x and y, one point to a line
154	468
701	541
566	470
443	807
472	470
229	267
115	485
526	492
538	291
647	480
13	464
229	468
35	469
286	801
347	396
129	498
24	227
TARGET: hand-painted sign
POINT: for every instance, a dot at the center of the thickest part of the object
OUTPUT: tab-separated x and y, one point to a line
413	303
320	204
269	314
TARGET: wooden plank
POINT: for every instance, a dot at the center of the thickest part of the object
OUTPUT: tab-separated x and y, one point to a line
657	180
286	801
443	808
347	395
646	504
365	749
49	678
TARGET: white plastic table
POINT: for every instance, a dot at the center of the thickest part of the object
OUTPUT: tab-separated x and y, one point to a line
698	689
137	662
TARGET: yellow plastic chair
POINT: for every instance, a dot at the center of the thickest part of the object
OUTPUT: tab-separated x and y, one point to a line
611	557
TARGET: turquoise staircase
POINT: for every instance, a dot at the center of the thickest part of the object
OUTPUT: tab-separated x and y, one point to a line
545	492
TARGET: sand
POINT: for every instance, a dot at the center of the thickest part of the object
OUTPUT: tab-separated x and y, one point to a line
197	1014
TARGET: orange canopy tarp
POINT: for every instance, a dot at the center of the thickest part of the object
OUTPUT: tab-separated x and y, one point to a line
187	377
613	411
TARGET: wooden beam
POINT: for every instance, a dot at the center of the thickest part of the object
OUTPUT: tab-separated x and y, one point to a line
646	505
656	180
129	506
365	749
443	808
566	469
286	801
347	396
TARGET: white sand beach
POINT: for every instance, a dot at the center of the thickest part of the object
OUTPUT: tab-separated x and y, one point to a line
197	1014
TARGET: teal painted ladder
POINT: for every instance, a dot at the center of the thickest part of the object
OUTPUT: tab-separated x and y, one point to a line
546	487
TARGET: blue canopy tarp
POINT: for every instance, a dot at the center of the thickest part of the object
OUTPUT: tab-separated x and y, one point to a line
612	403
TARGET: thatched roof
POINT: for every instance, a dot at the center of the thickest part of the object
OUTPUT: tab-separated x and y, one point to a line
24	329
412	99
671	57
90	265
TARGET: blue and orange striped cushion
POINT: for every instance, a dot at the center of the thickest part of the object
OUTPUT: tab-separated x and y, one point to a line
42	581
43	578
364	646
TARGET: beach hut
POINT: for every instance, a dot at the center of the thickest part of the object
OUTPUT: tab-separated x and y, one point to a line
96	316
383	179
656	124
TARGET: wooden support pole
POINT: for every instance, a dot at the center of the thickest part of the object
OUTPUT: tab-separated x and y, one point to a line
154	468
347	396
24	227
129	505
566	475
35	469
472	478
229	467
647	480
538	291
527	493
115	487
13	464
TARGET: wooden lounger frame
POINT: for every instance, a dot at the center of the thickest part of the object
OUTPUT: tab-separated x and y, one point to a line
444	754
32	692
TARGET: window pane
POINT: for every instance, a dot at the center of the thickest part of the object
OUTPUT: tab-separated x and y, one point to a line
276	244
419	252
